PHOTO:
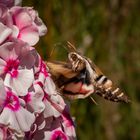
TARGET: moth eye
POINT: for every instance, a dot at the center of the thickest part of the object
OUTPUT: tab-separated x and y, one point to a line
74	57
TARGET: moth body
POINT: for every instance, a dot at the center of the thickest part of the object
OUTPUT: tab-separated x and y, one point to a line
80	77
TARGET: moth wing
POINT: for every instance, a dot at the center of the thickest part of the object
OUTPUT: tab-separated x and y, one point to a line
73	85
58	68
79	86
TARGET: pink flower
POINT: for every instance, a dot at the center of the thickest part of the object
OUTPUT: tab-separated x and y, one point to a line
52	128
10	3
17	70
58	135
22	23
68	125
3	132
5	18
53	101
30	105
28	26
13	114
48	129
34	99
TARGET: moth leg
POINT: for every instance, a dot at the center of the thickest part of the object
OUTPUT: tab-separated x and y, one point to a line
93	100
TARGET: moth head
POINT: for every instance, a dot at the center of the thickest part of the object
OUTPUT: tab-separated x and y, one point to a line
77	61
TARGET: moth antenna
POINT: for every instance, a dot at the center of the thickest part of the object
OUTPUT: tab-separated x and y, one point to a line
68	47
93	101
52	51
57	45
71	46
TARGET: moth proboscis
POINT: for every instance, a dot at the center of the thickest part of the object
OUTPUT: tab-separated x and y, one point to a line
80	77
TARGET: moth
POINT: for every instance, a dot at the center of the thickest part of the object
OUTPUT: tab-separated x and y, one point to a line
79	77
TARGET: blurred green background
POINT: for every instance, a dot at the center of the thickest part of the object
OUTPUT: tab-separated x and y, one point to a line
108	32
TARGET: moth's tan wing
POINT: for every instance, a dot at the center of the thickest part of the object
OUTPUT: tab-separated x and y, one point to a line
71	83
58	68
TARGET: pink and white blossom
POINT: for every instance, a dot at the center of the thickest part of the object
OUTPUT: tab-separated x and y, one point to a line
10	3
22	23
53	101
17	75
13	114
30	105
34	99
28	26
56	134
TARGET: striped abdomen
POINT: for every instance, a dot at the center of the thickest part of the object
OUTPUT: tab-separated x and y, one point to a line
106	89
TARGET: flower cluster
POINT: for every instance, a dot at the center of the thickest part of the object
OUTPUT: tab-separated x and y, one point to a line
30	106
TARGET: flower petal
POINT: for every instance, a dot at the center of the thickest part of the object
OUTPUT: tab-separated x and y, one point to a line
41	26
55	134
28	58
3	134
21	83
54	106
4	32
21	17
19	121
7	117
9	50
18	2
2	66
2	94
29	35
50	110
10	3
15	31
50	87
68	126
25	119
36	98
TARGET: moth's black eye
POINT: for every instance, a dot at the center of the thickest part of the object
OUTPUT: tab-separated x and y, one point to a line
74	57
